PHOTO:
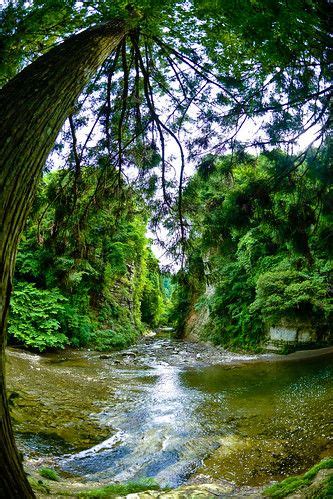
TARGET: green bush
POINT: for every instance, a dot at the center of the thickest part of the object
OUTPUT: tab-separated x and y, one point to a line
76	322
34	317
50	474
122	336
291	293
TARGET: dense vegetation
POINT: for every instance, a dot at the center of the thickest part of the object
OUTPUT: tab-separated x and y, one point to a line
85	273
260	247
224	67
251	64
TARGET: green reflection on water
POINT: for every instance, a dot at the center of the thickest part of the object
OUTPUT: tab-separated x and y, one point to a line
275	418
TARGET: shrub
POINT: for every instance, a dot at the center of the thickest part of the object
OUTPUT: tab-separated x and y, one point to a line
50	474
292	293
122	336
34	317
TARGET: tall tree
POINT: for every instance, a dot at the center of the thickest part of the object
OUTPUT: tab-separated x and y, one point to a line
35	105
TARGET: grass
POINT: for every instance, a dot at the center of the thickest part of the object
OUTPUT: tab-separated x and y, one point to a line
326	490
50	474
38	485
291	484
122	489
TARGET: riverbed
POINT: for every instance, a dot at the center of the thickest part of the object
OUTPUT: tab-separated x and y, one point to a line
176	411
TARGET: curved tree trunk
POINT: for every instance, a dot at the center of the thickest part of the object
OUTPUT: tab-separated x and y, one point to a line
34	106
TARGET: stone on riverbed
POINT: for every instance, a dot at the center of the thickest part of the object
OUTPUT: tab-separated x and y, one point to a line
186	491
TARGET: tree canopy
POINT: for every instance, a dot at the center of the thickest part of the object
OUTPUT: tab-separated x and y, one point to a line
187	79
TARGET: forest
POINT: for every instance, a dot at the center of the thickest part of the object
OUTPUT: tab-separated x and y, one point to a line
263	247
85	273
166	246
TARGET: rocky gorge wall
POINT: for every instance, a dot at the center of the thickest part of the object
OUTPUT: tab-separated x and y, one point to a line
286	336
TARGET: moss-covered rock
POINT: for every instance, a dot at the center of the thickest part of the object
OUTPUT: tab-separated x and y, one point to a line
316	482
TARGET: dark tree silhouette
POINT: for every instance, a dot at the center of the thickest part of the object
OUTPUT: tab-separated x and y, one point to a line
34	106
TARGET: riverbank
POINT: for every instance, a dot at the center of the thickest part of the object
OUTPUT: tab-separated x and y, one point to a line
315	483
182	413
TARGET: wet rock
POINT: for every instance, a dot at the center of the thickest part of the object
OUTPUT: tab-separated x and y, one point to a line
149	334
187	491
128	354
104	356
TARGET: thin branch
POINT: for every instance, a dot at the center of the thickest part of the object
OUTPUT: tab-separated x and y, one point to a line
108	99
124	98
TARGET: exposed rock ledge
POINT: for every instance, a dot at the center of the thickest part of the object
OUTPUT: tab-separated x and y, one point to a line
316	482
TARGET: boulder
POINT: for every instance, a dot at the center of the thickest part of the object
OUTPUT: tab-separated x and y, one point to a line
128	354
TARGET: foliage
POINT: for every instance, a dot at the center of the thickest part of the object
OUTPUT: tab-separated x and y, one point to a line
291	484
84	267
263	61
50	474
265	57
121	336
153	300
224	66
257	229
35	317
282	293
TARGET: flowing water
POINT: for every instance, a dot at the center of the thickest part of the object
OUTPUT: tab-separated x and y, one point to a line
162	411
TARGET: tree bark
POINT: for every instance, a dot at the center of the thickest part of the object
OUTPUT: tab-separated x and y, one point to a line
34	106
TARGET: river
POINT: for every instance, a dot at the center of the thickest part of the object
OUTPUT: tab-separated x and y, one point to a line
172	410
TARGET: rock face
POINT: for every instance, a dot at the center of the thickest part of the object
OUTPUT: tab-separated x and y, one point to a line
288	336
198	319
204	491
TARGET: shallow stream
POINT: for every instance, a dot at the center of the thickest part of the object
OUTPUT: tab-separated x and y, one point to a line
162	410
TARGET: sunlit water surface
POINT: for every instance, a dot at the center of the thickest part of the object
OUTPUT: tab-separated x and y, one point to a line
247	423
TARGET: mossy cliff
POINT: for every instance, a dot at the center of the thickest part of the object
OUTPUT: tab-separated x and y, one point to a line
259	257
85	272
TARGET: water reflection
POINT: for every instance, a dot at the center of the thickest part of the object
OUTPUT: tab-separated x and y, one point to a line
280	416
156	437
246	423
